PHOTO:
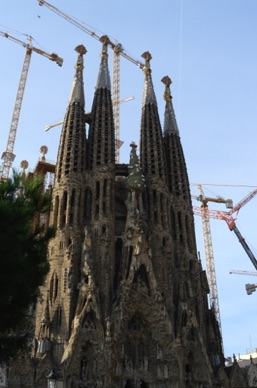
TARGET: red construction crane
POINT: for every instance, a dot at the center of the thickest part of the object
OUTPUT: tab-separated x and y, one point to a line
8	156
231	222
118	50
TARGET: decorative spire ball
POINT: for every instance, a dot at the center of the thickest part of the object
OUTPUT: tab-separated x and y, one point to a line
24	165
43	151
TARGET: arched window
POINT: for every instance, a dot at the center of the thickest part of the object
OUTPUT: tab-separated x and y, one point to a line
63	210
56	210
53	292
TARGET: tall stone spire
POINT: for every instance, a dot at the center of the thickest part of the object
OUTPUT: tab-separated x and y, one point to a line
177	171
77	91
103	79
101	132
153	164
101	161
170	123
178	182
72	148
148	93
67	214
151	142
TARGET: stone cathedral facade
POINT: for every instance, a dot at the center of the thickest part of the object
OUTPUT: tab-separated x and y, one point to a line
125	301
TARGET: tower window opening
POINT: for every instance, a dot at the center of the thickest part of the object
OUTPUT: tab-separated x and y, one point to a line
97	211
87	204
97	190
180	227
104	208
53	287
59	316
188	235
56	210
154	198
71	219
173	224
63	210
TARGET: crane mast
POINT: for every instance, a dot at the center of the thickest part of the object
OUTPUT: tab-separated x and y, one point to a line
210	266
118	50
208	247
116	99
8	156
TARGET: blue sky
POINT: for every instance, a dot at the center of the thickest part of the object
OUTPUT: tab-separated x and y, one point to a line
209	51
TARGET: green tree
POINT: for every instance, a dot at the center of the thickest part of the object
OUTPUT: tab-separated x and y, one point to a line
23	257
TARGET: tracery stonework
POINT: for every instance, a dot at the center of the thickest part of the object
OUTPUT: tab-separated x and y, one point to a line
125	301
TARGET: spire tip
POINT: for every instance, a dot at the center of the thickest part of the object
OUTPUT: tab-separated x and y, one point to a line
167	82
147	56
81	49
105	41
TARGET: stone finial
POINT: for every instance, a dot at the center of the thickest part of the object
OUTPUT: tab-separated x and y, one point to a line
135	180
24	165
133	145
43	151
147	56
81	49
105	41
167	82
134	161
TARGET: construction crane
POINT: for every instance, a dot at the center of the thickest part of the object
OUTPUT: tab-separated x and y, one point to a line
250	288
8	156
49	126
231	222
208	246
240	272
118	50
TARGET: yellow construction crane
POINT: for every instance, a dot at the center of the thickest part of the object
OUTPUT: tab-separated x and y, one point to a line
8	156
208	247
118	50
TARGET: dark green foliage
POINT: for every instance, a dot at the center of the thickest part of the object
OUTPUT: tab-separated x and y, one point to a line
23	256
